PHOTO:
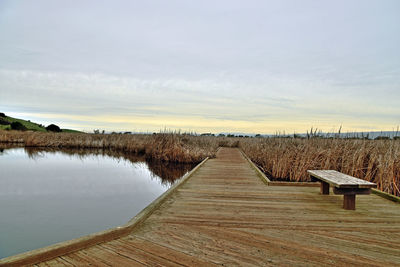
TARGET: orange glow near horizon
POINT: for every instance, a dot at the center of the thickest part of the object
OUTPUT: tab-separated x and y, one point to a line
195	124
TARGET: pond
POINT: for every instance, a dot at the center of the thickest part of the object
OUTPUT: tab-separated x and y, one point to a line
51	196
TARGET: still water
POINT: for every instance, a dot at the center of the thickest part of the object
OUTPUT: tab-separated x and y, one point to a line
52	196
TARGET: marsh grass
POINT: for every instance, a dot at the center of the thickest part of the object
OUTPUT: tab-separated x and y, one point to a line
289	159
285	159
170	147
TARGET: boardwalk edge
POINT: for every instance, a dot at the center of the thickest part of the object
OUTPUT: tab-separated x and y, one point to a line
385	195
260	174
65	247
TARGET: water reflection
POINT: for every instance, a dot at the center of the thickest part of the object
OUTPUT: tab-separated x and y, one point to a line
48	195
168	172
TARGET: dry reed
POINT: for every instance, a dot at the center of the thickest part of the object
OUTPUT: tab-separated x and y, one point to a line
163	146
289	159
280	158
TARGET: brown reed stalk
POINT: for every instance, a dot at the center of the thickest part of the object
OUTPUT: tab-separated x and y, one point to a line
289	159
163	146
286	159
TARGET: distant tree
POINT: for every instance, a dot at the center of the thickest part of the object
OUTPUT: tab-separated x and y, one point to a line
16	125
96	131
221	135
53	128
2	115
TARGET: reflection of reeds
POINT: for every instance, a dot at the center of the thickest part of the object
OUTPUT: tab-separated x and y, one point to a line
280	158
83	152
163	146
169	172
289	159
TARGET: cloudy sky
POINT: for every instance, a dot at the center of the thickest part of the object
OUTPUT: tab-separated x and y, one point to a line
219	66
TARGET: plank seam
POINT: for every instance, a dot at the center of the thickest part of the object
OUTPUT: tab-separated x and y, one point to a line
260	174
65	247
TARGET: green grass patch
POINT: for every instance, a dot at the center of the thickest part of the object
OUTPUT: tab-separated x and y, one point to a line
30	126
5	127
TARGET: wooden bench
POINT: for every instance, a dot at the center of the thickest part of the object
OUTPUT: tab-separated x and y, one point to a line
346	185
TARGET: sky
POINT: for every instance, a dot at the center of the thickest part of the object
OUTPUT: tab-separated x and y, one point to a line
202	66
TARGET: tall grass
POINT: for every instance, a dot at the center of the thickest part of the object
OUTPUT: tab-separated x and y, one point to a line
286	159
289	159
163	146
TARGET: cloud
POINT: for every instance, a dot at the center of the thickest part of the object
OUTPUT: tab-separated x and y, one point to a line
258	65
105	101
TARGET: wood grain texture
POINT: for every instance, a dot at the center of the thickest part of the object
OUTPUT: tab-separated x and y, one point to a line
324	190
340	180
225	215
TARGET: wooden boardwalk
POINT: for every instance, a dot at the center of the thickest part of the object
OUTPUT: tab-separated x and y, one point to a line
225	215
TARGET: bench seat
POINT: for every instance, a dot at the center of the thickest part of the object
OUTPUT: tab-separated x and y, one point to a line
343	184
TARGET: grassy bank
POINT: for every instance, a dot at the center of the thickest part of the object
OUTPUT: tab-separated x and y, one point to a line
5	124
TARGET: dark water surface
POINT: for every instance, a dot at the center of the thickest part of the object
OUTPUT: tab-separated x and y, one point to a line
52	196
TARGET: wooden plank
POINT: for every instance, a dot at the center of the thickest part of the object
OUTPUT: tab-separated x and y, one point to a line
138	255
386	195
324	190
62	248
56	263
170	255
309	184
259	173
81	259
339	179
351	191
349	202
110	257
226	215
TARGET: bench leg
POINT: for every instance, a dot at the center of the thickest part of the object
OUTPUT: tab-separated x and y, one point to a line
324	188
349	202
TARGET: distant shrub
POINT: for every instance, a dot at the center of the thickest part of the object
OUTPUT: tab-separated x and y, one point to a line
2	115
207	134
4	122
53	128
396	138
16	125
382	138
